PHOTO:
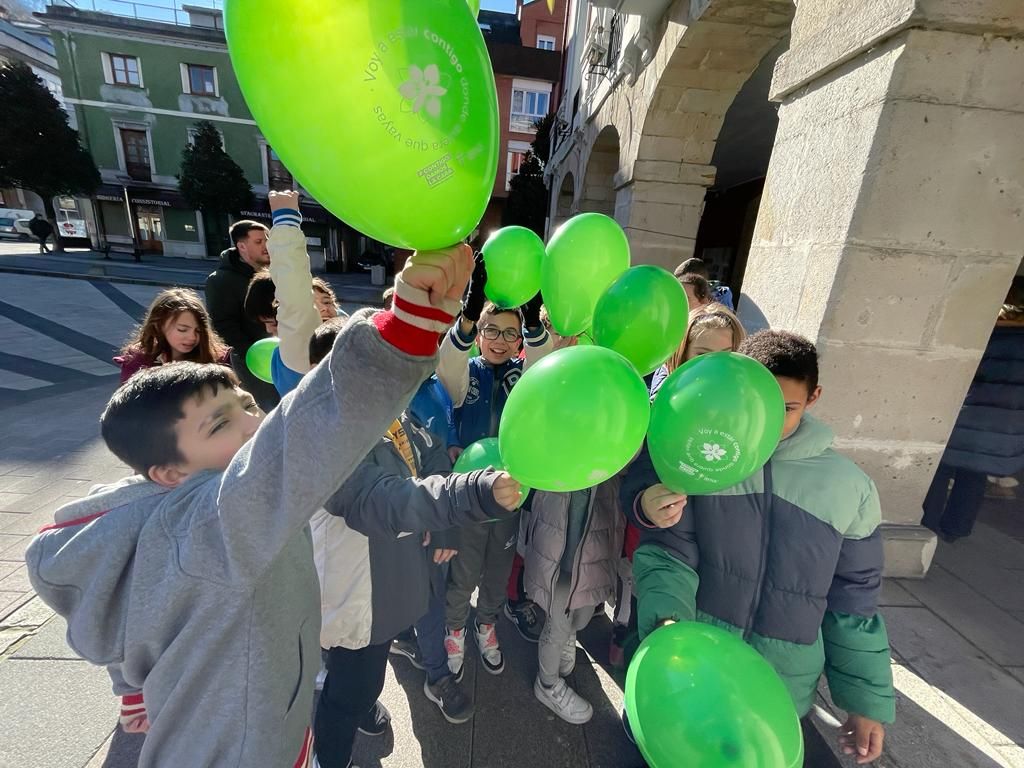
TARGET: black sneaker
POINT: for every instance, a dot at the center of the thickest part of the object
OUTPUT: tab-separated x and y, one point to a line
375	722
450	699
524	616
407	647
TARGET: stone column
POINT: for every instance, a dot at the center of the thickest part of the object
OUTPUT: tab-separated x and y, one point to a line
892	223
660	209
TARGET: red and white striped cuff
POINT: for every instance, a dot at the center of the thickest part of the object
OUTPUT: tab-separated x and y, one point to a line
414	325
132	708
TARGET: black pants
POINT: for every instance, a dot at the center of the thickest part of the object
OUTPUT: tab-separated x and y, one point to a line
354	681
955	515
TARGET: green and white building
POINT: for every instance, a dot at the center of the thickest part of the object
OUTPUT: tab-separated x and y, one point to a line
137	88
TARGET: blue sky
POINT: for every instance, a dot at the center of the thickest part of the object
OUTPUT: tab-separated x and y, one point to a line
508	6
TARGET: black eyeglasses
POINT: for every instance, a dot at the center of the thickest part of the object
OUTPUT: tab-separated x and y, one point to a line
492	332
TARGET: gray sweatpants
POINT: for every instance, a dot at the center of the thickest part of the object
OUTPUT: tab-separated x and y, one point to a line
559	627
485	558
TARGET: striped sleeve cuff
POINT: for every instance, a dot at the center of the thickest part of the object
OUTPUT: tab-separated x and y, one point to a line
414	325
287	216
638	513
536	337
132	708
460	342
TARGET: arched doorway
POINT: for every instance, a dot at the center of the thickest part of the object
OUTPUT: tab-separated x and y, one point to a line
598	194
564	203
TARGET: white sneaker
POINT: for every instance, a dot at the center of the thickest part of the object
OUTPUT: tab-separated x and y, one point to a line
455	646
490	651
564	702
567	663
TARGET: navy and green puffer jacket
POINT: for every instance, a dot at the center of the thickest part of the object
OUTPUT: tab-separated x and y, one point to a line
791	558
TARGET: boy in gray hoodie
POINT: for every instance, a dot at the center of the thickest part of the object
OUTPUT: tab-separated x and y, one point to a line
199	585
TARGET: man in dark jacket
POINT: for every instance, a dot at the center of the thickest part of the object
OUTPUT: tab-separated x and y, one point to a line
225	297
42	229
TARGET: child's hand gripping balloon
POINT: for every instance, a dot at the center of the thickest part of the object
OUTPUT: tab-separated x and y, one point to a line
442	275
507	491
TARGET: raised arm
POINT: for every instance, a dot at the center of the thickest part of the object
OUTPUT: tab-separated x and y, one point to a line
297	318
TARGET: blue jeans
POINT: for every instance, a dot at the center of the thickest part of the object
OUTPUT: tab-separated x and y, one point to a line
430	629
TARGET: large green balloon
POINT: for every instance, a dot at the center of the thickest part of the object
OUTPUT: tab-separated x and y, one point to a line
715	421
401	141
642	316
481	455
584	257
258	357
574	419
513	256
698	696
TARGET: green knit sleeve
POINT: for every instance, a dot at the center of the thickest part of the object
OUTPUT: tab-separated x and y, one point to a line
857	665
666	588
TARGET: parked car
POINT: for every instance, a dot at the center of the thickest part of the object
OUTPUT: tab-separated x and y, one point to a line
7	228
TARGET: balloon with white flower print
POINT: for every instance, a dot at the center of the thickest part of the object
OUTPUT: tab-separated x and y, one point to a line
403	145
715	421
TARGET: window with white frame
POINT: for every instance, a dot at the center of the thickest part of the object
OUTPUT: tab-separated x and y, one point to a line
199	80
120	69
529	104
278	177
546	42
517	152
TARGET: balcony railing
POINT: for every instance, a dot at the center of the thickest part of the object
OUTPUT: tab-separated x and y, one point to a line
167	11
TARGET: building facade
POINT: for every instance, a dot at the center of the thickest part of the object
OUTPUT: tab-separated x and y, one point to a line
848	167
525	48
138	88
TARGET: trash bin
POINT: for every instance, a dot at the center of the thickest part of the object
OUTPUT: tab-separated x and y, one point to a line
377	274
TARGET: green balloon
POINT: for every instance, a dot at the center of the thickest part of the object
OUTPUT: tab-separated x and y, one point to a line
585	339
574	419
258	356
699	696
715	421
584	257
513	256
481	455
642	316
403	145
474	7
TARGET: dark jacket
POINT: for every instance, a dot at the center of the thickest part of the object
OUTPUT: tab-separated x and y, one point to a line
368	541
989	433
40	228
225	299
791	559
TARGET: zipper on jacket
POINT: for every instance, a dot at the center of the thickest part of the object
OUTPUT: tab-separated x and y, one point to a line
577	559
762	566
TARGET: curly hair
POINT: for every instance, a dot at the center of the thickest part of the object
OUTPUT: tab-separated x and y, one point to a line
785	354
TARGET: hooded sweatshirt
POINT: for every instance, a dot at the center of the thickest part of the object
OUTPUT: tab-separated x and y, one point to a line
205	596
791	559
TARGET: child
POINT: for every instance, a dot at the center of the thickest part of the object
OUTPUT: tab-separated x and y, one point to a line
791	557
176	327
376	577
710	328
721	294
479	387
573	545
698	291
200	583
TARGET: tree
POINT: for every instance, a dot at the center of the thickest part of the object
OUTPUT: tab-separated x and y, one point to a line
39	151
542	141
527	204
212	182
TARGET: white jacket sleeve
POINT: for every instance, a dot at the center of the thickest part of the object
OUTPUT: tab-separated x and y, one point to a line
453	364
538	344
297	318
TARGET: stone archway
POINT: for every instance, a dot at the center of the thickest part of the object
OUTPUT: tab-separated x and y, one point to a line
565	201
598	192
684	109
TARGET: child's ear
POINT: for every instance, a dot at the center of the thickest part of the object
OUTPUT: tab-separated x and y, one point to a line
168	475
814	396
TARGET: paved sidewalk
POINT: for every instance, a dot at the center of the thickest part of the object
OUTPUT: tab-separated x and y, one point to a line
153	270
957	636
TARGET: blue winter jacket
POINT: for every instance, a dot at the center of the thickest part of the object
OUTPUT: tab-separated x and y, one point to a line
989	433
478	389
